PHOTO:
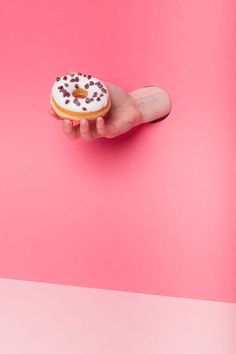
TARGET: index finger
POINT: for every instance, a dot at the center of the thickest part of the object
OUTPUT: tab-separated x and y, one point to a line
53	113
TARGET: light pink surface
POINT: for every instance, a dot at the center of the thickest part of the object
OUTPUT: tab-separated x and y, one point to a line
47	318
152	211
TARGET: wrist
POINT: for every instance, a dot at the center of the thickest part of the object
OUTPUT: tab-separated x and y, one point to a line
139	119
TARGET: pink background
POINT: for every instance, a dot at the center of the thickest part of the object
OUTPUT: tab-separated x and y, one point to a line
152	211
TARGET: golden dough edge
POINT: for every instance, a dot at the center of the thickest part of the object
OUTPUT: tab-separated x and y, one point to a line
89	116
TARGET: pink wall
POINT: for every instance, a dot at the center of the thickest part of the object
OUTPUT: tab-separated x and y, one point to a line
152	211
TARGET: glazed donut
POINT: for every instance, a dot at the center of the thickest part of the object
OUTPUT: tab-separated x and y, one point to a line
75	96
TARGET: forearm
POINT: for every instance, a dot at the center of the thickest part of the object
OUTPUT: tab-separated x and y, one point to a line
152	102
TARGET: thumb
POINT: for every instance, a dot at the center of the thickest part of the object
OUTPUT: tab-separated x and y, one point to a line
153	102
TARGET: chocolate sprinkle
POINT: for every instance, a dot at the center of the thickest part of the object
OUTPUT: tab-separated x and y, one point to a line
58	78
66	85
72	74
67	101
65	77
91	83
84	109
89	77
79	73
77	79
76	101
95	94
86	86
76	86
60	87
66	94
104	90
72	80
87	100
98	99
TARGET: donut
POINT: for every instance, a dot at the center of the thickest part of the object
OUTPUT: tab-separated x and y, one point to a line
75	96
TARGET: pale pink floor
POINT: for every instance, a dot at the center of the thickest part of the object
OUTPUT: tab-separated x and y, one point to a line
39	318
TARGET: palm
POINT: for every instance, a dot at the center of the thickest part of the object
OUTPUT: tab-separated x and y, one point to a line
123	114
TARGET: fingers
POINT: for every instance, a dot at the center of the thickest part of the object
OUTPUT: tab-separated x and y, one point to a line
70	130
90	130
53	113
85	132
100	125
81	130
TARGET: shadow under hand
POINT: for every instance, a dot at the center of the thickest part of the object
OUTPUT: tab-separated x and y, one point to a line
113	154
159	119
125	140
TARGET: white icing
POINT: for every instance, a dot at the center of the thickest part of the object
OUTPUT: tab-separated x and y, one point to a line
93	106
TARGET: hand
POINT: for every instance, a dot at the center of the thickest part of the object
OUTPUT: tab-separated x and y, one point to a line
127	111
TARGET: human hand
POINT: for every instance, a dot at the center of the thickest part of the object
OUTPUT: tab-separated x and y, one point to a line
127	111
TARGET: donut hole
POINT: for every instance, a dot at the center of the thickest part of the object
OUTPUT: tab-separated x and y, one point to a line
80	93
